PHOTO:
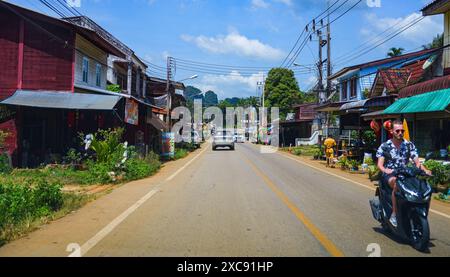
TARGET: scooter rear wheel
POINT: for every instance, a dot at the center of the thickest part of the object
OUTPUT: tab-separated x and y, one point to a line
420	232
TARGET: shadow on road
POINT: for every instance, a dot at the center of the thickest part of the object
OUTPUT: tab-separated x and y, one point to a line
400	240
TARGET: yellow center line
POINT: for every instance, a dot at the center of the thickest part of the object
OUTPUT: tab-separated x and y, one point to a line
326	243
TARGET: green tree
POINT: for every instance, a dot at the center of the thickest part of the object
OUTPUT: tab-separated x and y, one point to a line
225	104
437	42
114	88
282	91
248	102
309	98
395	52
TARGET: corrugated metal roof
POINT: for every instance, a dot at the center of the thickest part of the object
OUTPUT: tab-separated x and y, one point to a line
354	105
384	61
424	87
157	123
62	100
436	101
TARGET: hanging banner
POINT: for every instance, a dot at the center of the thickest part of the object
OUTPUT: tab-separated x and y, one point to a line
10	144
132	112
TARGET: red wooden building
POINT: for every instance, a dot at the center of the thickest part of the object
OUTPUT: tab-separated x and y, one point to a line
53	78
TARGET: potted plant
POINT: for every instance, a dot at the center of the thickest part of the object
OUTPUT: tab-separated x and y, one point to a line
374	173
317	154
354	165
343	163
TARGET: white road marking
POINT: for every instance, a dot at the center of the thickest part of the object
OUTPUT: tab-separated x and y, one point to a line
113	224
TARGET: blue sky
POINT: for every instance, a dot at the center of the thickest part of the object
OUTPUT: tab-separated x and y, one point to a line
250	33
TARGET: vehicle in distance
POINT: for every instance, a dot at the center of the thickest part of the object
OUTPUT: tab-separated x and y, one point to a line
223	138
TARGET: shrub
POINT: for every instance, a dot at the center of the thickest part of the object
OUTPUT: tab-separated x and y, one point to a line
136	168
114	88
441	173
19	202
297	151
369	161
343	163
99	172
180	153
3	136
5	167
353	164
107	145
374	173
72	157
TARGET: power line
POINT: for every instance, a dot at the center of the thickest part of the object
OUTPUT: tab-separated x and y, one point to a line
190	62
372	40
348	10
303	31
53	8
71	10
381	43
341	15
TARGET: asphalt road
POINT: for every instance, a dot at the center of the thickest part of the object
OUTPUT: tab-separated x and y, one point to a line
230	203
244	203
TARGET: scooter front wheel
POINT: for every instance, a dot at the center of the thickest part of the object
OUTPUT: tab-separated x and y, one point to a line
420	232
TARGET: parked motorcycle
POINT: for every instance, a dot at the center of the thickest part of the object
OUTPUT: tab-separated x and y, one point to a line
413	205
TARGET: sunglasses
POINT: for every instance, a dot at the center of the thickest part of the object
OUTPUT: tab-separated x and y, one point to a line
400	131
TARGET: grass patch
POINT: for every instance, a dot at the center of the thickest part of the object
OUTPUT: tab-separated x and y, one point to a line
180	154
306	150
26	206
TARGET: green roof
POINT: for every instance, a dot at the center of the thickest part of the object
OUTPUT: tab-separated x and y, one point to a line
436	101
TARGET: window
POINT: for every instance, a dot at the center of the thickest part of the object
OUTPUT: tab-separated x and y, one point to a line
344	90
98	75
85	70
353	88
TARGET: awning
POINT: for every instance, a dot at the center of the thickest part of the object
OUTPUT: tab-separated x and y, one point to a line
157	122
329	107
353	105
376	115
436	101
61	100
375	102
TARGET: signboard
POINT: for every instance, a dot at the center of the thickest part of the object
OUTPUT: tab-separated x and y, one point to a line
10	144
132	112
168	145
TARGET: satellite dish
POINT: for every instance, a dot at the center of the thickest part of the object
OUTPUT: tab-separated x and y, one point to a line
429	62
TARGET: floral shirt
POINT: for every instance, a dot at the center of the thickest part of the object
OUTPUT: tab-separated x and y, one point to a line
397	158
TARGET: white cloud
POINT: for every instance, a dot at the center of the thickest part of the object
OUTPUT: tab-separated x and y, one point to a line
165	55
286	2
230	85
421	33
260	4
235	43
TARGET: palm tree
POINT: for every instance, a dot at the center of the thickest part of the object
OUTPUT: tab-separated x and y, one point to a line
394	52
437	42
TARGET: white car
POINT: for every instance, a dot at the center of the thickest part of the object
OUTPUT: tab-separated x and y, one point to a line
239	138
223	138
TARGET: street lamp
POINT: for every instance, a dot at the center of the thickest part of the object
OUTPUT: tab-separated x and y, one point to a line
299	65
190	78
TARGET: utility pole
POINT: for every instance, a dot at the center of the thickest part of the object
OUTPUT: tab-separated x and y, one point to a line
329	70
169	96
320	68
